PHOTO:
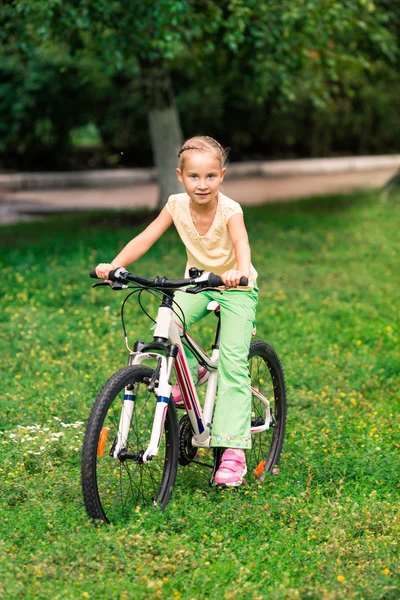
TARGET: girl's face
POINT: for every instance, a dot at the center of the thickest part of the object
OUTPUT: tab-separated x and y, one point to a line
201	175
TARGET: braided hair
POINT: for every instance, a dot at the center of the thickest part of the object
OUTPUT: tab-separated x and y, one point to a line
203	143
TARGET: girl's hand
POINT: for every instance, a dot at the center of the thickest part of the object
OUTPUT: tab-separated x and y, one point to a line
232	278
103	269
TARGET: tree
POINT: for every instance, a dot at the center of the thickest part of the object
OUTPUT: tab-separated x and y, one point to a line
300	47
155	34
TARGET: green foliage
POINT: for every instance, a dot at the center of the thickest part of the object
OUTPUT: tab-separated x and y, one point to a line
35	132
362	122
275	43
41	100
240	69
308	46
326	527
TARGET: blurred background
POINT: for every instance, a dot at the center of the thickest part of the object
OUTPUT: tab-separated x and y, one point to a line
89	85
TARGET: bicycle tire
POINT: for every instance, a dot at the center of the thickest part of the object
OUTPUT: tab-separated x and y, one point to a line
268	378
114	489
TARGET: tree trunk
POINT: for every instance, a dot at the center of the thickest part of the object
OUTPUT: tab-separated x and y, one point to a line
165	129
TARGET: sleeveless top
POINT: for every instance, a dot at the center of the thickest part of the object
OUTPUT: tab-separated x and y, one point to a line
214	250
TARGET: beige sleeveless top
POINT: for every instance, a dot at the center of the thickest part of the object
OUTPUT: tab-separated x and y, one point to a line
214	250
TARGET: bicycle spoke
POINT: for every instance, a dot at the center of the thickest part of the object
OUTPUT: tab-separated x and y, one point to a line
119	485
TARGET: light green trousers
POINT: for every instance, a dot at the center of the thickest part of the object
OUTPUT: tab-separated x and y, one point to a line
232	415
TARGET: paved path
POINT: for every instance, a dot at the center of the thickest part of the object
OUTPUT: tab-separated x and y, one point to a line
28	204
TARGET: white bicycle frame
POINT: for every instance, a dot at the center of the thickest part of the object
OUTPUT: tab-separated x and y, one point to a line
200	418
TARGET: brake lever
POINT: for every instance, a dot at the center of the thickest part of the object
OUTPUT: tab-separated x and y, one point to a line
199	288
115	285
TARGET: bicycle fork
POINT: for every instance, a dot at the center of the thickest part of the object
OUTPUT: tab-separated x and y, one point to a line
162	388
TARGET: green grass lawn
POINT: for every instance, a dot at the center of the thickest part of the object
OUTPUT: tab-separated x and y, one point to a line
327	527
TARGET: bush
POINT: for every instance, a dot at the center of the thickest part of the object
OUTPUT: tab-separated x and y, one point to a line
45	101
40	102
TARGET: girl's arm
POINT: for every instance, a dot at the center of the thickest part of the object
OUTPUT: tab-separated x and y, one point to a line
138	245
237	231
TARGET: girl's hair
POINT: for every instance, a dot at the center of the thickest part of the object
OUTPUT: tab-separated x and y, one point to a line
203	143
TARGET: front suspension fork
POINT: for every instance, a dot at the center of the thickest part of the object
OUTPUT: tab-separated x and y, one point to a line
162	390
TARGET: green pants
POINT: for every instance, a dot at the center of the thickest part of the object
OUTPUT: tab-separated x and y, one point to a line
232	415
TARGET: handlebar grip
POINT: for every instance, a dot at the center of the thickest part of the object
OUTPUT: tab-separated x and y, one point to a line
216	281
111	275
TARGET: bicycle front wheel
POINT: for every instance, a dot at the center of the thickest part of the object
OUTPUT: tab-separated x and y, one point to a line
115	487
267	383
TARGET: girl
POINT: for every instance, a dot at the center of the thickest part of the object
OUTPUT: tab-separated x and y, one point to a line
212	228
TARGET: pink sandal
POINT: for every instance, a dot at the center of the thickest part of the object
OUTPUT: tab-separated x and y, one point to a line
202	376
232	469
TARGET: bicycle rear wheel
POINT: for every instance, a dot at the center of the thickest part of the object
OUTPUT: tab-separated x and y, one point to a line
267	381
113	488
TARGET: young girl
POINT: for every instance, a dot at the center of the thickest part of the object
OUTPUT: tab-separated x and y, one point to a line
212	228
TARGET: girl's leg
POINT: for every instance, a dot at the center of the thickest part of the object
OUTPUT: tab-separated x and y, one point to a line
232	416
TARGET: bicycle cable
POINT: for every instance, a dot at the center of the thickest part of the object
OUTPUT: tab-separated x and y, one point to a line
122	311
139	291
181	316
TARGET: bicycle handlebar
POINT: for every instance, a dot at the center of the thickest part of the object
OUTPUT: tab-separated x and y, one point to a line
216	281
209	280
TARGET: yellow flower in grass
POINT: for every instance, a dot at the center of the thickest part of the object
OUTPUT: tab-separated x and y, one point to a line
341	578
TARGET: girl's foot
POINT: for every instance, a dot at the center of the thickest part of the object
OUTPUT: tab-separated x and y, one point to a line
202	376
232	468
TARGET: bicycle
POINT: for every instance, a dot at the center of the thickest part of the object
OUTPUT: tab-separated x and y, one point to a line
133	441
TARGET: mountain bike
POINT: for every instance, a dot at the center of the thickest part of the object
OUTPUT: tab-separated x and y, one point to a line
134	442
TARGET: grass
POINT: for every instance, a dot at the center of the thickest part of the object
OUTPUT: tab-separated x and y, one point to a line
326	528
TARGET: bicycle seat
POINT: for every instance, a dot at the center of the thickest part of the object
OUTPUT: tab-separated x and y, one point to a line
213	305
